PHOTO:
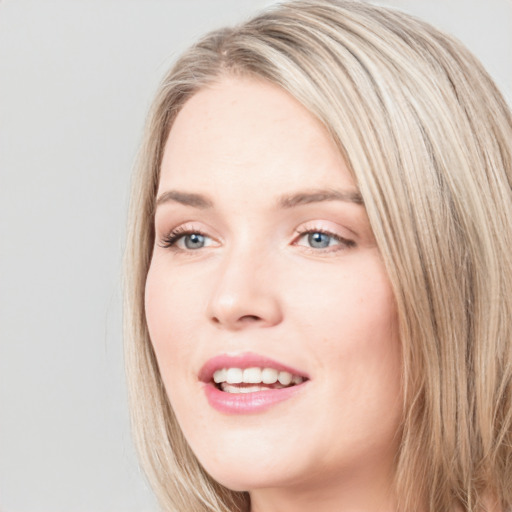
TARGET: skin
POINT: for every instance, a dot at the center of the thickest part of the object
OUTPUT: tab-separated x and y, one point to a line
257	285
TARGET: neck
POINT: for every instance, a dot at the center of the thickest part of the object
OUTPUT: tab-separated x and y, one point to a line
348	493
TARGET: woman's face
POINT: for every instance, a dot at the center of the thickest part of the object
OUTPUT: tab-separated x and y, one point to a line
264	260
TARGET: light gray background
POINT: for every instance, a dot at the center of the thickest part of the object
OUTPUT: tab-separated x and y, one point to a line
76	78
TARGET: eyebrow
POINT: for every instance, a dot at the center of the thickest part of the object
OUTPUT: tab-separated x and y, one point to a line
185	198
287	201
317	196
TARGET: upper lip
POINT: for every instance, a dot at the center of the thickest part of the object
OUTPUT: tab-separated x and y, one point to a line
246	360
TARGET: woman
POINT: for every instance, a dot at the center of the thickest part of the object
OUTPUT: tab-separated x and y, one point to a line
318	270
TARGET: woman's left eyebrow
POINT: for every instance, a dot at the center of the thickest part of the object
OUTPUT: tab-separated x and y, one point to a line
316	196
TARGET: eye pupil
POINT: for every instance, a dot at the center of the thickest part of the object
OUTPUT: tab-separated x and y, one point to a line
318	240
194	241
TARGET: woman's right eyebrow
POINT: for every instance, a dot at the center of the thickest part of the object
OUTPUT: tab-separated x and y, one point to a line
185	198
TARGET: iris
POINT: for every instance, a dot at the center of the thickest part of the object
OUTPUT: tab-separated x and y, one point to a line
194	241
319	240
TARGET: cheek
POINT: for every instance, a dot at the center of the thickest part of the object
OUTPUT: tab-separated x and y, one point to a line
169	319
351	304
157	299
168	303
351	323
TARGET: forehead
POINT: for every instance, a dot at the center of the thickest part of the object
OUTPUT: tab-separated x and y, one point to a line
251	131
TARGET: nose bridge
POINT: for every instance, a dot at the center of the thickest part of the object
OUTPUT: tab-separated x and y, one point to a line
244	294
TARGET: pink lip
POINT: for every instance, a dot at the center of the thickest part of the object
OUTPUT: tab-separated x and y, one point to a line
246	403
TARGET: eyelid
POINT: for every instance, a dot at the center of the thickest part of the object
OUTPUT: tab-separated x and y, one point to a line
171	238
343	242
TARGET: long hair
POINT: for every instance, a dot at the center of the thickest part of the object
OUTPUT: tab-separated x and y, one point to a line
427	137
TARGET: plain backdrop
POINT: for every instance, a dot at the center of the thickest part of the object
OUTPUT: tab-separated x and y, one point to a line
76	79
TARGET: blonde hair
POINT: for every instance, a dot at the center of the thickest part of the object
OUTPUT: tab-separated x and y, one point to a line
427	137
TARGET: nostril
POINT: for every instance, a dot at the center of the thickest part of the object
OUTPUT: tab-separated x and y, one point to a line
243	319
249	318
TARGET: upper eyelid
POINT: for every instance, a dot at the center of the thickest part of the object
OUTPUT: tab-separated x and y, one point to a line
319	225
188	228
336	236
179	233
312	228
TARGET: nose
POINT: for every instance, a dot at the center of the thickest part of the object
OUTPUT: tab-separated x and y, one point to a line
245	295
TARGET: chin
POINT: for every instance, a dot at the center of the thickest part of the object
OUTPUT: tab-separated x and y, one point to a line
247	478
251	462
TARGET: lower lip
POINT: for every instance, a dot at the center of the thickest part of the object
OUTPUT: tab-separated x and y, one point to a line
247	403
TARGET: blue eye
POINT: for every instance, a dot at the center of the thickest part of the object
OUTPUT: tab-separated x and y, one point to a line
184	240
193	241
319	240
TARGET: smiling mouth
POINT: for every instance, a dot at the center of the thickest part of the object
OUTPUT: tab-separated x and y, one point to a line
253	380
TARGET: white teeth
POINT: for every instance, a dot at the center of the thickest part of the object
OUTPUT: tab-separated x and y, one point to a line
234	375
297	380
285	378
228	388
219	376
228	376
269	375
252	375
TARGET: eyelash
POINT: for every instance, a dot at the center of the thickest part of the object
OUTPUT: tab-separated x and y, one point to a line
169	241
345	243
